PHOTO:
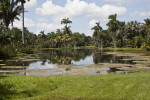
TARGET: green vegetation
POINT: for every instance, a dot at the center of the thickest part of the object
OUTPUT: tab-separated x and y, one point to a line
20	54
118	35
109	87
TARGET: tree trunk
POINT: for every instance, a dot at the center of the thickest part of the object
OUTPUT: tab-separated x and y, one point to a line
114	39
23	37
101	44
122	44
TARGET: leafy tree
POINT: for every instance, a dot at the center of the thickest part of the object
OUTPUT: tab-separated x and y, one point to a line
134	29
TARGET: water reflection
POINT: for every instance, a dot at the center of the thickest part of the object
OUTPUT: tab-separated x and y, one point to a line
52	58
65	56
79	57
42	65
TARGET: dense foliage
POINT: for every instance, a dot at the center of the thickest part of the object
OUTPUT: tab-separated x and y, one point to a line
121	34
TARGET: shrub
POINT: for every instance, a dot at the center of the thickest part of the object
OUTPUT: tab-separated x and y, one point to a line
26	49
7	52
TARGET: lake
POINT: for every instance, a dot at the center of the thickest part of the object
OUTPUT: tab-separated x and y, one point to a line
77	62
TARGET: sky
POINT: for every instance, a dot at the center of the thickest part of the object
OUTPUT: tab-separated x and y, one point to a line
46	15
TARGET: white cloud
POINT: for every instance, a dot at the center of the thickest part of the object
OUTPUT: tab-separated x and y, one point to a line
120	1
77	8
28	23
31	3
74	9
40	25
141	14
47	27
41	20
89	33
92	23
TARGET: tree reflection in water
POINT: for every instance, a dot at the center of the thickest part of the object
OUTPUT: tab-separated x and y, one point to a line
65	56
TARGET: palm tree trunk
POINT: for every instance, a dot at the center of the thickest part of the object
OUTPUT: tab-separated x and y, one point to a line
122	44
23	37
114	39
101	43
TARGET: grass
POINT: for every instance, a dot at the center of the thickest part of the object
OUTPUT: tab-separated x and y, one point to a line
134	86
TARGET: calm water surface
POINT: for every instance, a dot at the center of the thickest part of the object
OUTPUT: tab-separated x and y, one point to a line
54	58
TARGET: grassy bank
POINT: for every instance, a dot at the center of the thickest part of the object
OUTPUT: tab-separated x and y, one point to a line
133	86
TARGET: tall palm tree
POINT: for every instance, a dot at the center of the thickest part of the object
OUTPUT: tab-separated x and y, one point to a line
112	27
22	6
66	29
66	21
96	34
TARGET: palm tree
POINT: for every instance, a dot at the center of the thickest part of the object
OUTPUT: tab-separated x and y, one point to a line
42	36
121	31
135	32
9	11
66	29
96	34
66	21
22	6
59	32
112	27
66	39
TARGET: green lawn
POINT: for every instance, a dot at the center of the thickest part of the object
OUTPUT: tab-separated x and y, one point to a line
134	86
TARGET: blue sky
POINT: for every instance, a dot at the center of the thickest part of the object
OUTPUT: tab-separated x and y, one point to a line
45	15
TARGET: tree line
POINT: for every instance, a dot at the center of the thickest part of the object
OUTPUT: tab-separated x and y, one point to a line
122	34
119	34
